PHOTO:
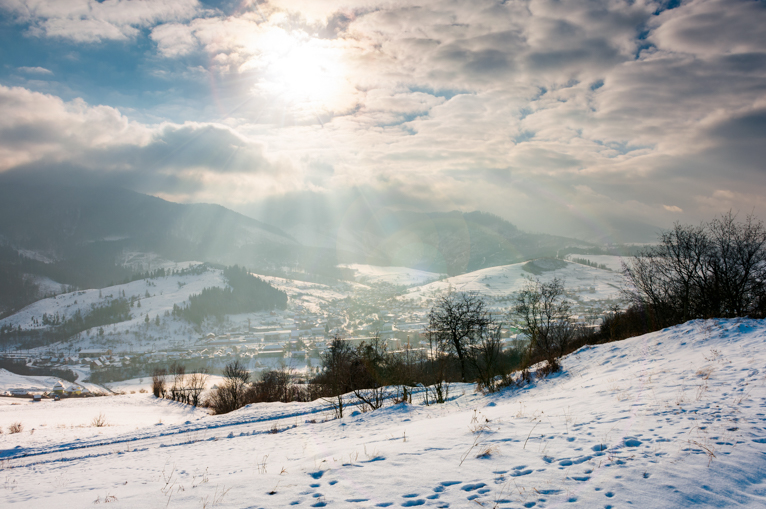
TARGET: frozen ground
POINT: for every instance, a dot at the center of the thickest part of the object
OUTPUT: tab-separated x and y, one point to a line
671	419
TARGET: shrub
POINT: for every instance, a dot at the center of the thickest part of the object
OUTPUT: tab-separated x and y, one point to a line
230	395
16	427
99	421
158	382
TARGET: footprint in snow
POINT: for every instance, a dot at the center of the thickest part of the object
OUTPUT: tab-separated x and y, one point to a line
519	473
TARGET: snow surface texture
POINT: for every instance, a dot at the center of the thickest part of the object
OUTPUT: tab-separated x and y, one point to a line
675	418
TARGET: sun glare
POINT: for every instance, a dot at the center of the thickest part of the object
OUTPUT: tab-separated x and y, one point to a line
307	74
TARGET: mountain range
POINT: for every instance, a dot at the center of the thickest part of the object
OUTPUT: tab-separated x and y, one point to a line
80	236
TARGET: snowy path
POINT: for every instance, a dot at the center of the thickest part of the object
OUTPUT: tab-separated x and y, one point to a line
671	419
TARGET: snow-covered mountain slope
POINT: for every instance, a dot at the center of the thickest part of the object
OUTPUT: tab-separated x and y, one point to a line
670	419
399	276
162	292
587	282
312	296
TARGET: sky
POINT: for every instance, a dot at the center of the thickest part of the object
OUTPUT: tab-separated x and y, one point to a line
566	117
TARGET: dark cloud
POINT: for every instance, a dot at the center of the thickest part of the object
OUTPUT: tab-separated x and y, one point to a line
750	126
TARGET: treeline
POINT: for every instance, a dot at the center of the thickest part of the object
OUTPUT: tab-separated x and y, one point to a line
114	311
21	368
585	261
175	384
194	270
245	294
715	270
61	326
364	376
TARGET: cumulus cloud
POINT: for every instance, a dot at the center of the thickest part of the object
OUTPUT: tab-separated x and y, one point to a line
90	21
43	137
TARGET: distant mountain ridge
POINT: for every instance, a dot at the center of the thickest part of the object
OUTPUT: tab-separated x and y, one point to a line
444	242
84	231
55	219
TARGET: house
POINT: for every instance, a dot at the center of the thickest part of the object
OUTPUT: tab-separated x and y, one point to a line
272	350
74	390
58	388
94	353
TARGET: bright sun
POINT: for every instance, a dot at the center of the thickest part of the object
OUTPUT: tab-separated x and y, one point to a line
307	74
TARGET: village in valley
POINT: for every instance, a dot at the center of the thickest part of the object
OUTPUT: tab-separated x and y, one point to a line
391	303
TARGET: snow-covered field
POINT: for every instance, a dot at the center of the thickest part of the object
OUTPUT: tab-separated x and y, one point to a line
612	262
34	384
675	418
311	296
399	276
589	283
145	383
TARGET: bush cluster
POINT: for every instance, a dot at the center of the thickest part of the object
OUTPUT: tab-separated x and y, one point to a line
175	384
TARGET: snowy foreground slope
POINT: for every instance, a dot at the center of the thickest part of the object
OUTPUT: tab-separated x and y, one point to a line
671	419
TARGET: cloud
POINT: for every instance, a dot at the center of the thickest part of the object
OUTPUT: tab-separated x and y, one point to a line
534	110
43	137
91	21
35	70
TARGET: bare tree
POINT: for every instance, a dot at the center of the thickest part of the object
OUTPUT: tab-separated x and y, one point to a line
369	372
544	315
196	383
486	356
178	389
437	370
274	385
457	322
158	382
737	266
716	269
336	377
230	394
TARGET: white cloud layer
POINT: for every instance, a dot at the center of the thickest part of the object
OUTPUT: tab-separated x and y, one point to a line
532	109
90	21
